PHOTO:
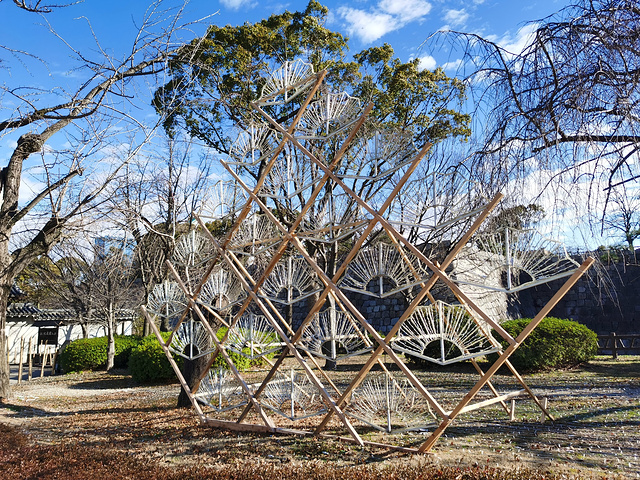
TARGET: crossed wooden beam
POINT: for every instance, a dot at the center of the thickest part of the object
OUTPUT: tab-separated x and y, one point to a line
334	399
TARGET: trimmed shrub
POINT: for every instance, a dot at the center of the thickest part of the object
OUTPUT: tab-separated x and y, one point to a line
555	343
91	353
83	354
124	345
148	363
242	363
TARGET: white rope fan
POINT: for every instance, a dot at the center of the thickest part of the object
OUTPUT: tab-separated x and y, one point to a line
221	291
291	280
287	82
511	260
293	396
387	405
334	335
220	390
445	325
392	270
252	336
191	340
166	300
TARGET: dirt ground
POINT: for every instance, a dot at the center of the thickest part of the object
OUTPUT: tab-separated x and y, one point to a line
596	432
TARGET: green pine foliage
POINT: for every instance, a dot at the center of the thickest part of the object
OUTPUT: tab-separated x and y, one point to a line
555	343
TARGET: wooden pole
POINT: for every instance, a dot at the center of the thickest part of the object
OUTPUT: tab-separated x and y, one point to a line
545	404
504	357
414	303
20	360
44	361
391	231
30	361
340	295
173	363
247	207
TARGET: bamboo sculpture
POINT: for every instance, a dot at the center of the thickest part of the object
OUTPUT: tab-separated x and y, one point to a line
263	268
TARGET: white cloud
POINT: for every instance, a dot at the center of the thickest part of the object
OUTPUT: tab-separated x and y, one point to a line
524	36
405	10
452	66
238	4
386	16
427	63
456	17
368	27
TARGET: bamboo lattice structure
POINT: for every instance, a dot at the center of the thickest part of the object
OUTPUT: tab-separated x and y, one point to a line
306	199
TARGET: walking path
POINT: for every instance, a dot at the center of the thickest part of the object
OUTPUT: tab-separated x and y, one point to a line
35	373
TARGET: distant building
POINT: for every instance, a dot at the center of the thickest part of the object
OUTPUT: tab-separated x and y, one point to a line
104	244
26	321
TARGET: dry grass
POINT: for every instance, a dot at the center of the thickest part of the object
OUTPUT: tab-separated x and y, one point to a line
95	424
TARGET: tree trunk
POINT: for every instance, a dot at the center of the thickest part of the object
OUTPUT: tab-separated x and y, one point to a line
192	371
146	329
5	388
111	343
85	329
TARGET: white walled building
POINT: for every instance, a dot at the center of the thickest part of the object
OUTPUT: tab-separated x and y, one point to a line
53	327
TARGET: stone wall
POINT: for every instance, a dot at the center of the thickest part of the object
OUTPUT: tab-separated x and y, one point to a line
604	304
611	305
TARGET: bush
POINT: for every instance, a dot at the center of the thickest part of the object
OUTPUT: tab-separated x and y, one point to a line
83	354
124	345
91	353
148	362
241	362
555	343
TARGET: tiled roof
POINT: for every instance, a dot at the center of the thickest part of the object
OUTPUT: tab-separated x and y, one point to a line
22	310
58	315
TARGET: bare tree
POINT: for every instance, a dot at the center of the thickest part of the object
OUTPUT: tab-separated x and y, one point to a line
65	281
96	278
623	217
568	104
37	6
155	202
115	288
97	120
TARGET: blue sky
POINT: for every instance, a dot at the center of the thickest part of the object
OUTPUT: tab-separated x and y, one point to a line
91	25
404	24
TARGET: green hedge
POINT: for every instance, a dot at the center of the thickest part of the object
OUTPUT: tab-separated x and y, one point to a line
242	363
91	353
124	345
144	357
555	343
148	362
